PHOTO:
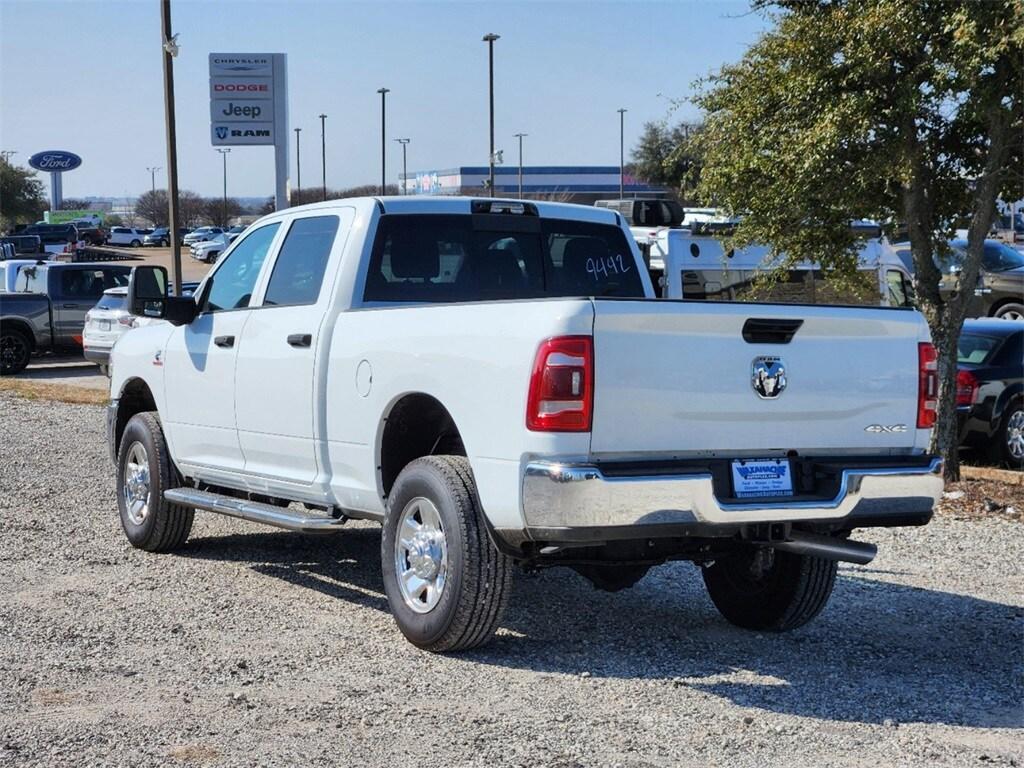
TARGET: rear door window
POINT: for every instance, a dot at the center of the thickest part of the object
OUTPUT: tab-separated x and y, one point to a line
457	258
299	270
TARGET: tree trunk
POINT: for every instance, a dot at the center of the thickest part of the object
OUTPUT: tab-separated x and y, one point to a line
945	315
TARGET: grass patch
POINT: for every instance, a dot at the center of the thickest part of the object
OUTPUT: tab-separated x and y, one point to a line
61	393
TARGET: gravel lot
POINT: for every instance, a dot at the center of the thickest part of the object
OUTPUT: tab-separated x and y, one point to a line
257	647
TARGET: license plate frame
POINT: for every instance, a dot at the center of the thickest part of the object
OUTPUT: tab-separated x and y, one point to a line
761	478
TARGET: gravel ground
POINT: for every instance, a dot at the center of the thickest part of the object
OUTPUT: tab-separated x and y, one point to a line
257	647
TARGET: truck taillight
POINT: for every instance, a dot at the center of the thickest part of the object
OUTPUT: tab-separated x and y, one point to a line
966	388
561	397
927	386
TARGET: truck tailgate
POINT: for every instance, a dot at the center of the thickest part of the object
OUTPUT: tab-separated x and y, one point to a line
675	378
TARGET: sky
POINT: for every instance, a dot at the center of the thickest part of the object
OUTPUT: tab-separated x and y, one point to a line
86	76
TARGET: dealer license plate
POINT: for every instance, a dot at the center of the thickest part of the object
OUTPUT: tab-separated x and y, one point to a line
761	477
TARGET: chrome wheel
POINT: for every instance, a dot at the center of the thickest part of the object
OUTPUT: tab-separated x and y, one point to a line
1015	435
421	555
136	484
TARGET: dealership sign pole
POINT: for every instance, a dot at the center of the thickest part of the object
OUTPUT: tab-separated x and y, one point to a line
55	162
249	106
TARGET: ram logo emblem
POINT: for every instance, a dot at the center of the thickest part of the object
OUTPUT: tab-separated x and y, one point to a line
768	377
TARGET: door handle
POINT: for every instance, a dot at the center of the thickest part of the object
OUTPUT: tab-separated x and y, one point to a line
300	339
224	341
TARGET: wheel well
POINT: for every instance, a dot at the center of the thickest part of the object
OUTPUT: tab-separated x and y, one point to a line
1000	304
23	327
135	398
418	425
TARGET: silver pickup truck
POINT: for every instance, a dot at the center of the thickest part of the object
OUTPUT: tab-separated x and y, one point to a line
47	309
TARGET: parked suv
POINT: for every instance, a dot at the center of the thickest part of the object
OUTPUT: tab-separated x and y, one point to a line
1000	289
201	234
162	236
127	236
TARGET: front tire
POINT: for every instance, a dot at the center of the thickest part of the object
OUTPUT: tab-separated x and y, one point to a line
767	590
446	583
1012	311
15	351
144	472
136	243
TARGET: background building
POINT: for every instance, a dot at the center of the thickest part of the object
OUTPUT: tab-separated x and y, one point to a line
578	184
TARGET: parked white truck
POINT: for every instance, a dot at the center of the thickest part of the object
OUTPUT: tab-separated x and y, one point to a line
491	382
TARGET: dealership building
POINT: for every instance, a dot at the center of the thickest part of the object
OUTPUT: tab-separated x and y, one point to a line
575	183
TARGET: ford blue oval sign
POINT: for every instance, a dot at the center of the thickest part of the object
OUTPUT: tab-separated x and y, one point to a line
55	161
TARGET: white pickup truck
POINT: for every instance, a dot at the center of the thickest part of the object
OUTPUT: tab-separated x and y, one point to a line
491	382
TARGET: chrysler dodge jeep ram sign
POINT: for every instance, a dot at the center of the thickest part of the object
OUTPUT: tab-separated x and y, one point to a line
247	104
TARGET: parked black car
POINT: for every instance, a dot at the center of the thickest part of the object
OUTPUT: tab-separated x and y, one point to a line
990	389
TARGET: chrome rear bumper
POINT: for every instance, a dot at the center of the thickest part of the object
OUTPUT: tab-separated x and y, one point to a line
561	496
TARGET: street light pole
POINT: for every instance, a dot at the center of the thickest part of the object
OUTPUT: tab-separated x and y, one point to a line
170	50
152	177
323	151
520	137
383	142
403	142
489	38
224	210
622	152
298	162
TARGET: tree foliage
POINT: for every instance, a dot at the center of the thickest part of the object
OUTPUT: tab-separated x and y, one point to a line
219	211
21	195
670	156
152	206
903	111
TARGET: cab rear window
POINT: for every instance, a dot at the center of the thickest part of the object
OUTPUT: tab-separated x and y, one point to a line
459	258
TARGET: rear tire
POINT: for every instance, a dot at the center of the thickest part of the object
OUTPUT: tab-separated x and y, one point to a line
15	351
446	583
767	590
136	243
1009	440
144	472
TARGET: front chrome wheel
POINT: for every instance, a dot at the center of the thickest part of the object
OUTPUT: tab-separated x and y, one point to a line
1015	435
136	484
421	555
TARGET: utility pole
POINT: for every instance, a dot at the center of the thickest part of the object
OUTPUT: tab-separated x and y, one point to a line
152	177
383	142
489	38
403	142
298	162
224	210
323	151
6	154
520	137
622	153
170	50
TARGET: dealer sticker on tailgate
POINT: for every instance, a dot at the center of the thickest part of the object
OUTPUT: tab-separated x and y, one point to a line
761	477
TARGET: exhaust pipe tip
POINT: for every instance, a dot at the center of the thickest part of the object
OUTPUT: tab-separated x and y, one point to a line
828	548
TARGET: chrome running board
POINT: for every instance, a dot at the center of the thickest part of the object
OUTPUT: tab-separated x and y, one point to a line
253	511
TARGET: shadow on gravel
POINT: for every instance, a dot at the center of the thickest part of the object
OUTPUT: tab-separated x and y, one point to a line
879	651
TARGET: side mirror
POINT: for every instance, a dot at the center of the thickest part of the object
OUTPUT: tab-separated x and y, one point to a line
147	292
147	297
